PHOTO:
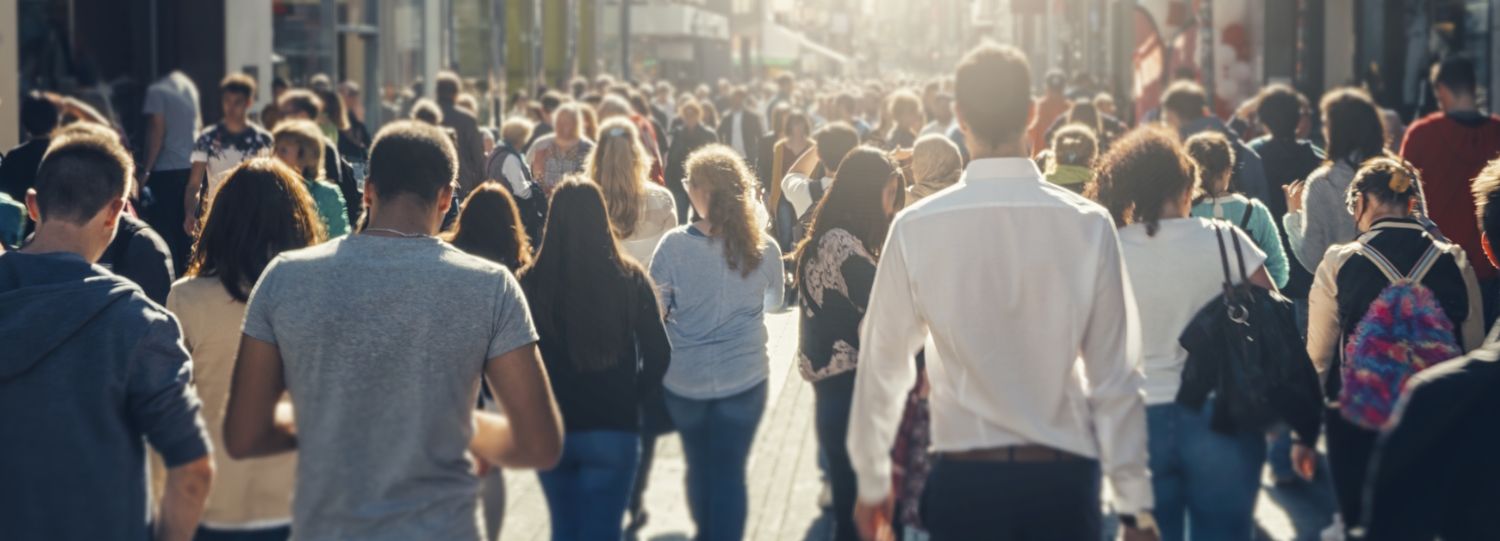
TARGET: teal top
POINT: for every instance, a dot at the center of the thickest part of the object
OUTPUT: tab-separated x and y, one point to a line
330	207
1261	228
12	221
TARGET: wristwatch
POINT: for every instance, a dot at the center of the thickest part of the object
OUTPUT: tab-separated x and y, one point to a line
1142	520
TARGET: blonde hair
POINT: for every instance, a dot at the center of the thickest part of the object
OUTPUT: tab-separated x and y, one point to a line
935	164
308	139
620	165
723	176
613	106
516	131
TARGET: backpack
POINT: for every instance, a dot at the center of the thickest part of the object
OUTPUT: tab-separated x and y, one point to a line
1403	332
533	209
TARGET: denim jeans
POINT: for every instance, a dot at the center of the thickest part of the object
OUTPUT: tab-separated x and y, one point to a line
716	438
1205	482
589	488
833	397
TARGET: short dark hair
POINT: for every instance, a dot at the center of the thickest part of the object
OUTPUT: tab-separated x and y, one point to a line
992	92
238	83
551	101
447	87
38	114
1487	202
426	110
280	83
79	175
1456	73
302	100
834	142
1186	99
413	158
1280	109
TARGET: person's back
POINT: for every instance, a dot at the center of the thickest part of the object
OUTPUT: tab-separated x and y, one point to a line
430	315
175	98
1448	149
385	408
140	255
92	370
1003	393
1416	495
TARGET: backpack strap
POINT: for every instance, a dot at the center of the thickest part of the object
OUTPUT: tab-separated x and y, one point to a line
1386	267
1429	258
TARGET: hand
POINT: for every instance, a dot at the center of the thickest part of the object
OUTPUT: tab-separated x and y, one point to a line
1293	193
141	176
874	520
1304	460
1138	534
190	224
901	154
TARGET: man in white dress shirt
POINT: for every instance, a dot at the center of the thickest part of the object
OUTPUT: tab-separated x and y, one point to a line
1019	293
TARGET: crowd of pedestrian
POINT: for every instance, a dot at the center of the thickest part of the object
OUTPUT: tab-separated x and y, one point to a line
1004	302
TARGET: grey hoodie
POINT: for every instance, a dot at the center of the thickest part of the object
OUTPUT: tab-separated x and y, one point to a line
89	368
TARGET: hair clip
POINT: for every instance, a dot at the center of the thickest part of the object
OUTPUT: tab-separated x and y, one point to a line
1400	181
616	132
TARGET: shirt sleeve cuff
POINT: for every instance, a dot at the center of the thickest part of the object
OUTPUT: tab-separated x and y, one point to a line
874	486
1132	495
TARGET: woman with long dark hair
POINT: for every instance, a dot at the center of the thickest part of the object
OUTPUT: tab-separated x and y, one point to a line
1205	481
1355	133
489	226
606	351
835	268
718	276
261	209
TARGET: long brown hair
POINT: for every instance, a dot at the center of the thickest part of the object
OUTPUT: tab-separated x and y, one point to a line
620	165
581	286
489	226
720	172
261	210
854	203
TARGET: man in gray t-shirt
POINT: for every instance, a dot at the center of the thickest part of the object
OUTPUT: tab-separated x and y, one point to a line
381	339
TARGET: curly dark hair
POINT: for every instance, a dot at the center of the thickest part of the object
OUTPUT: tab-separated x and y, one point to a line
1139	175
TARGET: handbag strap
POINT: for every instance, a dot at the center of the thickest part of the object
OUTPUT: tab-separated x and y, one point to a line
1239	255
1223	259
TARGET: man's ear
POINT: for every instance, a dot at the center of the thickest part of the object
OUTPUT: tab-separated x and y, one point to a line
113	211
445	199
1489	251
32	208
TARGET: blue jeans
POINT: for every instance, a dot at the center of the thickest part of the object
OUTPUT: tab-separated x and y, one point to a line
589	488
716	439
1205	482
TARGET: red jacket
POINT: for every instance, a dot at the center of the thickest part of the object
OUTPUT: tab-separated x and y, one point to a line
1448	153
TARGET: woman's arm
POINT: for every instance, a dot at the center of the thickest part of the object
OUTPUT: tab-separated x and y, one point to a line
1268	237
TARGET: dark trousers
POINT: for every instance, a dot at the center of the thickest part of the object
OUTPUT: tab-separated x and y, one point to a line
168	191
1489	293
1003	501
833	397
1349	450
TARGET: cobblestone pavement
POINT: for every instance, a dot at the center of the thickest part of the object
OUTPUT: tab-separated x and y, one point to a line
785	483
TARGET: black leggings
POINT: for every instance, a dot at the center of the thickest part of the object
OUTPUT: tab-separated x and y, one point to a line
1349	450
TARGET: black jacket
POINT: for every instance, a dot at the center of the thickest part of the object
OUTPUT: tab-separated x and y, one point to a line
684	142
1435	472
751	129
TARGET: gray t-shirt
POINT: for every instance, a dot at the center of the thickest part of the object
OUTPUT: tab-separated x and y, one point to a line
383	341
176	99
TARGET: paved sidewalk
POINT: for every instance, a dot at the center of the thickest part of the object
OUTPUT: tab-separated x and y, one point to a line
784	479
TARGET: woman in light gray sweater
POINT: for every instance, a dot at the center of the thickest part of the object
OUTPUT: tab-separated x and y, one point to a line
1317	214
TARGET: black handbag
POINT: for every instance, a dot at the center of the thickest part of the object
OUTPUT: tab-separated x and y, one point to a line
1244	351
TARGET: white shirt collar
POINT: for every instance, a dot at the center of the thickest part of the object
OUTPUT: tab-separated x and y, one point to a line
1002	168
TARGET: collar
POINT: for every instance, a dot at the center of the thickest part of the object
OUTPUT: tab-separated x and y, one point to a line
1397	223
1002	168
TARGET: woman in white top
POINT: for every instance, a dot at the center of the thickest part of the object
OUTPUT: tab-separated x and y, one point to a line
1173	259
640	211
261	209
